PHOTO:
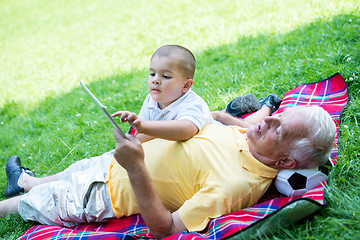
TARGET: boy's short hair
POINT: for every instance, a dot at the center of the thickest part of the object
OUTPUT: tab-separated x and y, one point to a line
185	58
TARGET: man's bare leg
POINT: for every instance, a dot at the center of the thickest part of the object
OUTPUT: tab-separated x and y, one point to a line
27	182
9	206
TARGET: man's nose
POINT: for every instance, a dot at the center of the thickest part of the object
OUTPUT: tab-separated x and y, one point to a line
270	121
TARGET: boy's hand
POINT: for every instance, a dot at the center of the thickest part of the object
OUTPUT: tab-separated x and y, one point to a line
131	118
124	115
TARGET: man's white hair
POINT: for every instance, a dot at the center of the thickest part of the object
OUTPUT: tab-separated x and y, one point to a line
315	149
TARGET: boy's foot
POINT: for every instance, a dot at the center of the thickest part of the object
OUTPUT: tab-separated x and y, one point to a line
242	105
272	101
14	170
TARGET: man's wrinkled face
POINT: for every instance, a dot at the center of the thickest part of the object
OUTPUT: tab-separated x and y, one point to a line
273	137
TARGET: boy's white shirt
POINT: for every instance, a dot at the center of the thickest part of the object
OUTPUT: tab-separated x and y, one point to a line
190	107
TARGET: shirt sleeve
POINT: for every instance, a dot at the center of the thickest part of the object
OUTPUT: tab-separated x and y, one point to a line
198	113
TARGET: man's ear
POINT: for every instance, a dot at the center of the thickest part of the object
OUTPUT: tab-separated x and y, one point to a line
287	163
187	85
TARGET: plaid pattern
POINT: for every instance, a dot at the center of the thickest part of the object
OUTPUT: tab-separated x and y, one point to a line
331	94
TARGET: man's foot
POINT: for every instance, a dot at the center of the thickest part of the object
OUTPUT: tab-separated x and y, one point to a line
242	105
272	101
13	171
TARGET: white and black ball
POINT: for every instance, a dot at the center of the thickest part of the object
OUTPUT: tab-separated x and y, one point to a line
296	182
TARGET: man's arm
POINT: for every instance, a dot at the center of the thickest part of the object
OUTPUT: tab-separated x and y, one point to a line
254	118
227	119
130	155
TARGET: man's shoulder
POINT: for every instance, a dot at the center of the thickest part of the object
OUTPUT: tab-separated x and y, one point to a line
217	134
218	128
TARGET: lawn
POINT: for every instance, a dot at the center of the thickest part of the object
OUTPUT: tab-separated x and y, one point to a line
259	47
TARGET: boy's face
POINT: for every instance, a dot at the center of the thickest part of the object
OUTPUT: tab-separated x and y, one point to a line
166	82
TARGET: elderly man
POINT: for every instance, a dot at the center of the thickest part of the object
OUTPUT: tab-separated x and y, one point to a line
176	186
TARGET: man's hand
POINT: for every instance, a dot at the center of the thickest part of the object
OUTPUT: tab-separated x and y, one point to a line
129	154
227	119
217	115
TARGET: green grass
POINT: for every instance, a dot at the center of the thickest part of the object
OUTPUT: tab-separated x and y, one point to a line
261	47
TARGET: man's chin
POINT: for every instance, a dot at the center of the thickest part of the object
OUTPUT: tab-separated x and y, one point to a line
250	133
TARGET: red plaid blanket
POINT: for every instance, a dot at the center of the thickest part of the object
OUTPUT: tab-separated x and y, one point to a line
331	94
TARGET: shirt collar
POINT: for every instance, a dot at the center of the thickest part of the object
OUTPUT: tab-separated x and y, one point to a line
155	105
250	162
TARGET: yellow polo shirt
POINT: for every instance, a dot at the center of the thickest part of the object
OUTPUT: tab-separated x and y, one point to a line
210	175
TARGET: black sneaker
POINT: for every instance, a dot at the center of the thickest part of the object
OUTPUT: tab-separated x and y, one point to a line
242	105
13	173
272	101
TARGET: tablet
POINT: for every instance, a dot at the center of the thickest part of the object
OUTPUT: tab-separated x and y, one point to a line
103	110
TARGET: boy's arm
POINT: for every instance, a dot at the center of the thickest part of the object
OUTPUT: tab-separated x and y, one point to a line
174	130
161	222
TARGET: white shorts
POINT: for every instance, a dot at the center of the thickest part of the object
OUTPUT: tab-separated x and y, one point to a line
80	196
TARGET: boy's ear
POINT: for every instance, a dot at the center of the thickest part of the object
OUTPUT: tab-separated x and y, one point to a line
187	85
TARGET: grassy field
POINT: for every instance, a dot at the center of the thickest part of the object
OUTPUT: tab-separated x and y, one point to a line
259	47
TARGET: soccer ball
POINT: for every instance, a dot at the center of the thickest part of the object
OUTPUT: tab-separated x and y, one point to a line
296	182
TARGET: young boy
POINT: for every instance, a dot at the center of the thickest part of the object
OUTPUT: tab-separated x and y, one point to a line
172	110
